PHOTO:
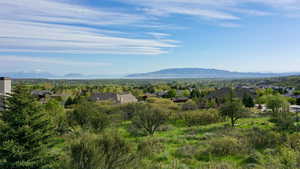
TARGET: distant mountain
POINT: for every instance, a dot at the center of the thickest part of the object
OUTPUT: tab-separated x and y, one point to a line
74	75
46	75
205	73
25	75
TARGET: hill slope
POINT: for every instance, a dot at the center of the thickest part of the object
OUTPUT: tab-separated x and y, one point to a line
204	73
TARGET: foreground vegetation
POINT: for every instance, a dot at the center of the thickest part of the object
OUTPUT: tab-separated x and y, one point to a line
155	133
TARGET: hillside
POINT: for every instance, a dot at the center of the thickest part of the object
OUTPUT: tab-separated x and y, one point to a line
204	73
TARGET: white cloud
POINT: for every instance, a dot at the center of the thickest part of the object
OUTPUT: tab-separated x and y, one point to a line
217	9
58	27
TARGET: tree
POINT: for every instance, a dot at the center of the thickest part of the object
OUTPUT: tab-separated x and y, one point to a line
88	115
233	109
26	135
248	101
195	93
56	113
171	93
69	102
148	119
298	101
277	103
190	105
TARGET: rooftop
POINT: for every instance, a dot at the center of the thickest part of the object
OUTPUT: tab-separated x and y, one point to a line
4	78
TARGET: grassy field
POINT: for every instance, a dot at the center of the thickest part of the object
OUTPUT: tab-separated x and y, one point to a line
185	147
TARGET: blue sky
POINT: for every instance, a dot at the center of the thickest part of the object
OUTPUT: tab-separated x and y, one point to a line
132	36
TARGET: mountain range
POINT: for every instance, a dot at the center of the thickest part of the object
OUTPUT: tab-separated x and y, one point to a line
206	73
161	74
46	75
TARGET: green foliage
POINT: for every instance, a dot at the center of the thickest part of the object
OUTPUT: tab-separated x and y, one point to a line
171	94
186	151
224	146
26	135
284	120
69	102
190	105
150	146
248	101
298	101
293	141
107	151
233	110
201	117
148	119
262	138
56	113
196	94
277	103
88	115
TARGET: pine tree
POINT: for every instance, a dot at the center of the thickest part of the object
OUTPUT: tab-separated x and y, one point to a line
26	135
248	101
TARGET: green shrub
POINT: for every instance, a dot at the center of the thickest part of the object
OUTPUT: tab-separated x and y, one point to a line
219	165
294	141
262	138
204	117
186	151
225	146
106	151
255	158
150	147
148	119
283	158
189	105
87	115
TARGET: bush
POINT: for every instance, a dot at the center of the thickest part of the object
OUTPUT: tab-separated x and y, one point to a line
219	165
148	119
262	138
283	158
190	105
284	120
105	152
225	146
129	110
150	147
87	115
204	117
294	141
186	151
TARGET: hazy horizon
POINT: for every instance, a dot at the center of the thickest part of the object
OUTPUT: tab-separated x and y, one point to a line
117	37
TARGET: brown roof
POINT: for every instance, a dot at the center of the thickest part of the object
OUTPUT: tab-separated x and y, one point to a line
118	98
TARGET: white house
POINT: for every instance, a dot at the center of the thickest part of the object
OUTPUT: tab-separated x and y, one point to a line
5	88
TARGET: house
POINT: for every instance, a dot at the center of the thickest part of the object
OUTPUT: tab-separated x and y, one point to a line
295	108
116	98
161	93
5	88
180	100
225	92
41	94
148	95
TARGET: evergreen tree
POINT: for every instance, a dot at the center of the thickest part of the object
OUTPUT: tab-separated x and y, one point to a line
248	101
26	136
298	101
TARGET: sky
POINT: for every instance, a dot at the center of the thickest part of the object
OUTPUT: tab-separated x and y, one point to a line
116	37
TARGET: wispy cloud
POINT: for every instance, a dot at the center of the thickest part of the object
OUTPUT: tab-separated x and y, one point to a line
60	27
223	10
229	25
